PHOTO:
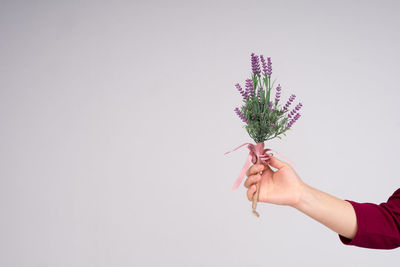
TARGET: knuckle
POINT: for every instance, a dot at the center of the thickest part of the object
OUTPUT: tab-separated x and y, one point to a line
250	180
255	169
251	170
248	173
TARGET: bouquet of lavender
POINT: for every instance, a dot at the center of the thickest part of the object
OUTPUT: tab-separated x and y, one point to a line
264	118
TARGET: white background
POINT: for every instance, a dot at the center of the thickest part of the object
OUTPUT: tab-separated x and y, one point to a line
114	117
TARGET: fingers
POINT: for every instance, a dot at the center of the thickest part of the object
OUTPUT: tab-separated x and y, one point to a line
251	191
251	180
256	168
276	163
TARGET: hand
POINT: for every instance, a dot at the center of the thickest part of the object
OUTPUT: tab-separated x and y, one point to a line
283	187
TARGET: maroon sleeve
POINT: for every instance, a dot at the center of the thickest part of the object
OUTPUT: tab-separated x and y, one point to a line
378	225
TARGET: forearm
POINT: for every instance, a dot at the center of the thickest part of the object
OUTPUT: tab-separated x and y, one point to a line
335	213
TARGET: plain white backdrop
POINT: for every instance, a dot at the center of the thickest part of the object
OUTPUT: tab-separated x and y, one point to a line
114	117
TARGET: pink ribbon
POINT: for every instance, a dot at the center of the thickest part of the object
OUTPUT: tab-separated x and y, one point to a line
256	153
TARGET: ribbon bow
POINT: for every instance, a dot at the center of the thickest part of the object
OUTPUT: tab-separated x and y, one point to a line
256	153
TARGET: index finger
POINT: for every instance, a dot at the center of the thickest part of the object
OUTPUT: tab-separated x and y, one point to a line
256	168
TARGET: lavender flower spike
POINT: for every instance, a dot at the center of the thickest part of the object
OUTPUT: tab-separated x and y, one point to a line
291	114
242	92
298	115
295	110
249	87
298	107
264	65
255	64
278	93
269	67
241	116
289	102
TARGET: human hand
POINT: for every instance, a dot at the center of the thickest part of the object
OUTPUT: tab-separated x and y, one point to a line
282	187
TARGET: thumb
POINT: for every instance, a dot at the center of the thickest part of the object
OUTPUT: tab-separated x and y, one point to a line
276	163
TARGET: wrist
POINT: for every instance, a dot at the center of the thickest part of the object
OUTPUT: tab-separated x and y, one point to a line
304	192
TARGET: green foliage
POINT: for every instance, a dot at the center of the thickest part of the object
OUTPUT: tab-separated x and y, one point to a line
264	122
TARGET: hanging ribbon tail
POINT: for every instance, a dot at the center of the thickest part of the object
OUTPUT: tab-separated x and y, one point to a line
242	173
236	148
244	169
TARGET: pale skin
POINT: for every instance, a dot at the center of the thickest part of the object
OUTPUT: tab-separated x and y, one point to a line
284	187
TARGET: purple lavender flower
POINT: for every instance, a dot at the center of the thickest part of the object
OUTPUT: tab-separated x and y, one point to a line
264	64
249	87
278	93
295	110
272	125
241	116
291	114
298	115
267	66
255	64
268	72
298	107
289	102
244	94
